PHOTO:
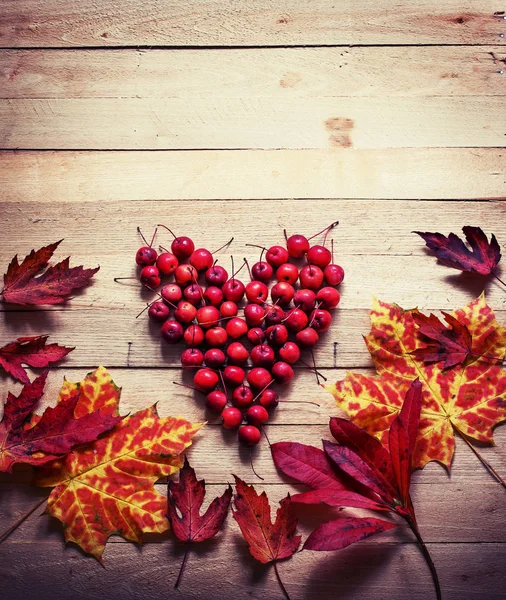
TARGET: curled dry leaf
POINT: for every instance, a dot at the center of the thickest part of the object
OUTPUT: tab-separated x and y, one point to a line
31	351
29	283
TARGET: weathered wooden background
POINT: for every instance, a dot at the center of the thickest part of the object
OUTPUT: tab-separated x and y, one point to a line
239	118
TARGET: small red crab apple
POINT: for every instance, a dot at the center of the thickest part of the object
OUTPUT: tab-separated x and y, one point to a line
213	296
257	415
216	337
276	256
287	272
334	274
205	380
158	311
185	312
282	372
257	292
320	320
182	247
262	271
215	358
268	398
274	314
311	277
276	334
172	293
328	298
242	396
185	274
208	316
216	400
249	435
289	353
202	259
233	375
297	245
237	353
295	320
236	328
216	275
172	331
146	255
167	263
231	417
193	336
194	294
256	335
192	357
307	338
282	292
262	355
228	309
259	378
254	315
304	299
150	276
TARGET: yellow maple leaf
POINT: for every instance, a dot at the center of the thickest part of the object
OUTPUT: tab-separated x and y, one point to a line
469	398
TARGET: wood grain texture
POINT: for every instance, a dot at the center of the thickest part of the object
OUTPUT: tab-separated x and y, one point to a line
28	23
439	173
243	123
275	73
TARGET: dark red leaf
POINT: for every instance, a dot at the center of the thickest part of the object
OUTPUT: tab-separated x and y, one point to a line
267	541
187	496
452	252
402	438
53	286
306	464
449	344
338	498
53	436
31	351
342	532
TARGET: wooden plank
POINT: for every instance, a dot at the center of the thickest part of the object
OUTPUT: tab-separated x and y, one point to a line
263	72
236	174
28	23
224	569
244	123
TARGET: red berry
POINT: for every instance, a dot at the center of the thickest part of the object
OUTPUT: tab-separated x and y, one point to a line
276	256
201	259
208	316
182	247
233	290
257	415
334	274
259	378
193	335
145	256
249	435
256	335
262	271
320	320
268	398
237	353
282	372
311	277
328	298
150	276
216	400
287	272
158	311
257	292
205	380
228	309
167	263
236	328
289	352
193	293
213	296
297	245
215	358
276	334
231	417
233	375
242	396
307	338
319	256
274	314
192	357
185	274
216	337
304	299
262	355
254	314
282	292
172	331
172	293
185	312
296	319
216	275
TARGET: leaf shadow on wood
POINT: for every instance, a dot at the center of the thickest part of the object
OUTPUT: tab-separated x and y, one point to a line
31	322
468	282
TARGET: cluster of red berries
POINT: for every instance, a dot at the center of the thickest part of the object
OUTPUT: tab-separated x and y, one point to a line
241	338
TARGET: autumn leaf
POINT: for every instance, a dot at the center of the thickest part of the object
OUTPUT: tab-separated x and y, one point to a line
32	283
187	496
31	351
51	435
483	257
451	345
268	542
107	486
469	399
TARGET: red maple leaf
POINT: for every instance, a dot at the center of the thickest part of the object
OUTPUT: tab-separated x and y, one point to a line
187	496
55	433
449	344
31	351
268	542
52	286
452	252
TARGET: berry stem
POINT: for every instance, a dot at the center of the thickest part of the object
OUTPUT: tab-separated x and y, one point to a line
12	528
317	373
185	385
256	246
251	464
142	236
224	245
185	558
153	238
426	555
286	236
327	229
266	436
169	230
332	250
280	582
482	459
249	270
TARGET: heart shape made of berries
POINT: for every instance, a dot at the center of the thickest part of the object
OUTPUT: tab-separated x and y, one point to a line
242	338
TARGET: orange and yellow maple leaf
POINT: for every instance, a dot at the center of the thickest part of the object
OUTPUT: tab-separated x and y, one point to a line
469	398
107	486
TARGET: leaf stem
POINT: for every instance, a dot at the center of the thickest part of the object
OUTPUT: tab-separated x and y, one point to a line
185	558
483	460
498	278
287	596
426	555
12	528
